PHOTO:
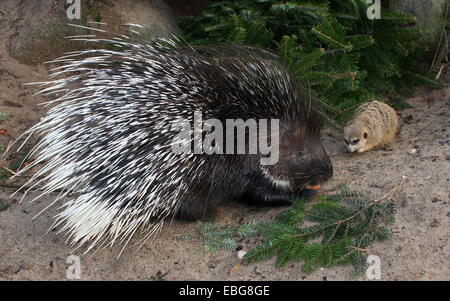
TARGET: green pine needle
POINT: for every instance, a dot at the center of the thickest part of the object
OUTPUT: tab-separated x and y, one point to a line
328	45
3	116
336	230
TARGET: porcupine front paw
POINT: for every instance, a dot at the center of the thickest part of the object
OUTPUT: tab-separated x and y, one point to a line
267	195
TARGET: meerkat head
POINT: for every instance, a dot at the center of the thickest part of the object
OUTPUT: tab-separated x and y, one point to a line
356	138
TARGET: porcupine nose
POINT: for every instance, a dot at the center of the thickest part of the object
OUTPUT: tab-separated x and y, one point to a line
324	172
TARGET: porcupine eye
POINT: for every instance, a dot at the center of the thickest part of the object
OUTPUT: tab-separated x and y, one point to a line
365	135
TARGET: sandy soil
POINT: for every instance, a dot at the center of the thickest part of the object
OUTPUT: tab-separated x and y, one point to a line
419	248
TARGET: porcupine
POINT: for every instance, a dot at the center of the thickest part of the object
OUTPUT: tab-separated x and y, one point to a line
106	142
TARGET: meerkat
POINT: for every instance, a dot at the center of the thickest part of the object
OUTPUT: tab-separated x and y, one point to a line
374	124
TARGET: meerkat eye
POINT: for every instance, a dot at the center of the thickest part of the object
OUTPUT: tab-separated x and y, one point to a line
355	141
365	135
346	141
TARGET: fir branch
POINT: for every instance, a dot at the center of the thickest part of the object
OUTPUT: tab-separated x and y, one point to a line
3	116
296	7
320	41
337	230
330	38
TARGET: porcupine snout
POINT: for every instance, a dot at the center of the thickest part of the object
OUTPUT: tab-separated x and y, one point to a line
311	167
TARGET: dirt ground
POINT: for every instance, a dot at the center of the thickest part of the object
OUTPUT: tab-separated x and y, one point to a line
418	250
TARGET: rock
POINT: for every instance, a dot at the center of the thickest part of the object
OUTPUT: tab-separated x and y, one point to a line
412	151
430	16
241	254
431	20
153	14
37	30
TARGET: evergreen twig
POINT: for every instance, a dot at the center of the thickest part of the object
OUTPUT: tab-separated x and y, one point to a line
337	230
332	45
